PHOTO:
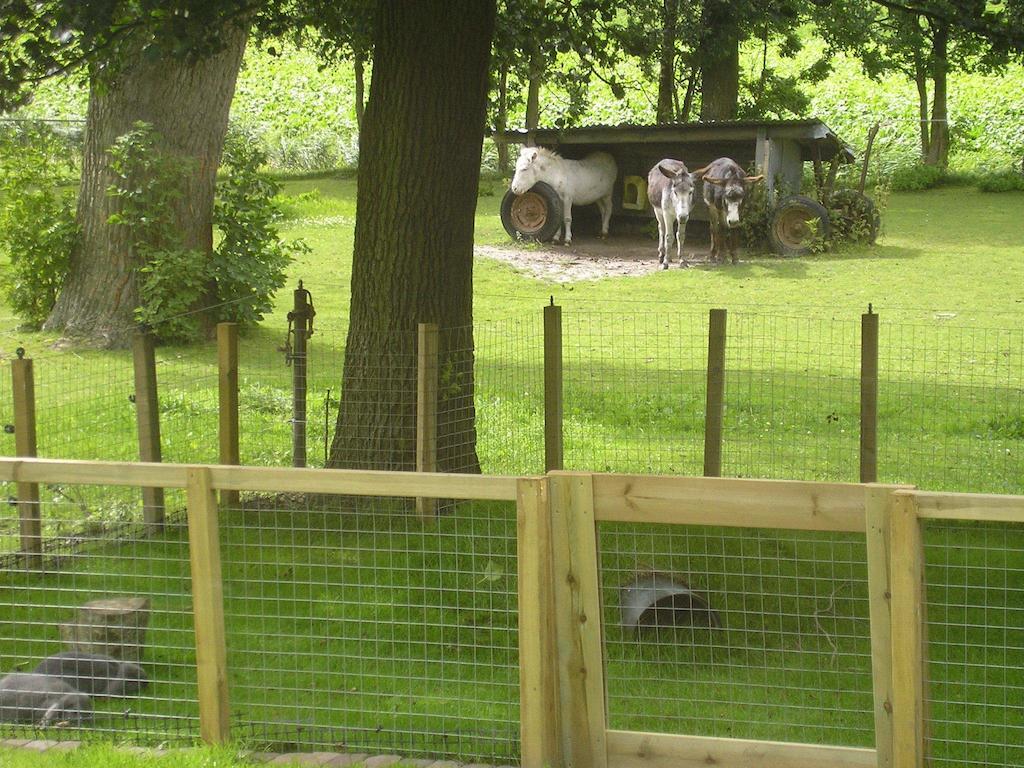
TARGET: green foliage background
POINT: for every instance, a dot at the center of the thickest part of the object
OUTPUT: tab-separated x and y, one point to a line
304	116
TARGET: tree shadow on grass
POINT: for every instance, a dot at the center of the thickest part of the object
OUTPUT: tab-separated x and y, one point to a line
796	267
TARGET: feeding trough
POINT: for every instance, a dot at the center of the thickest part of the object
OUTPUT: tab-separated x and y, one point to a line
653	599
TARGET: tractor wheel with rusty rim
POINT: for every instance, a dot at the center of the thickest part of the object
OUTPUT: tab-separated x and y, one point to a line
534	215
854	216
798	224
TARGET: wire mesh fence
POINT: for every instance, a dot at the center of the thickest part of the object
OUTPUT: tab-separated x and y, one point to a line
974	575
365	630
755	634
54	610
635	383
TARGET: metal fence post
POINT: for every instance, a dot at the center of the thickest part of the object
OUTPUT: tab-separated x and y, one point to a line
208	607
29	515
147	419
427	347
714	409
554	457
302	318
227	380
869	397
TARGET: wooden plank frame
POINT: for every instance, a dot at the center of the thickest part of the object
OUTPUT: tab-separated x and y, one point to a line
540	736
427	351
227	391
792	504
350	482
147	419
876	510
906	573
208	607
30	523
579	638
635	749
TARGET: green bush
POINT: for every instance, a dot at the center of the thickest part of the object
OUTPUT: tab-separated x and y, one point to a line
237	280
916	178
172	278
37	219
1002	181
249	264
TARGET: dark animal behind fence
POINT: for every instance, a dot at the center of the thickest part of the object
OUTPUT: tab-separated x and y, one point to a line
41	700
726	187
94	673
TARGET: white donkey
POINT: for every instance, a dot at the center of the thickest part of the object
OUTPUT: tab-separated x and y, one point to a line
577	182
670	190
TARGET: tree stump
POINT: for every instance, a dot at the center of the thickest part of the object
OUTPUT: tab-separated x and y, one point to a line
115	627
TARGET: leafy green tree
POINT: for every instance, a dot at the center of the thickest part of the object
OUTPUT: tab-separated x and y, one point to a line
926	41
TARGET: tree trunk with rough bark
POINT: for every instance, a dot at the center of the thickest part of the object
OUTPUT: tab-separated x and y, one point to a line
187	103
501	121
719	55
921	82
359	67
419	170
938	146
667	70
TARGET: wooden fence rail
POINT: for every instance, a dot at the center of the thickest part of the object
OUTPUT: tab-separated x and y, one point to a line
564	712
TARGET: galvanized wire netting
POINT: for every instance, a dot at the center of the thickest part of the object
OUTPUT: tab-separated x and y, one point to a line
365	629
974	593
634	391
729	632
792	397
951	407
104	564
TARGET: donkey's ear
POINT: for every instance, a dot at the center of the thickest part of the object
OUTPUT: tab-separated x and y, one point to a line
753	179
667	173
712	180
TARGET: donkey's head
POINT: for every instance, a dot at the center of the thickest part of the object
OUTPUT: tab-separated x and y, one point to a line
529	167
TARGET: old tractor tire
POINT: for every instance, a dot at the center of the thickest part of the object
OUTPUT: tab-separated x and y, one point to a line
797	225
854	216
534	215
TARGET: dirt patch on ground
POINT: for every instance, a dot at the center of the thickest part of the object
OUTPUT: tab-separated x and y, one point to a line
591	258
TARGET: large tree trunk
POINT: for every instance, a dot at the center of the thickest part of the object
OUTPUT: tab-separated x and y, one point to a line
667	71
359	67
501	121
719	55
921	82
419	168
938	147
187	103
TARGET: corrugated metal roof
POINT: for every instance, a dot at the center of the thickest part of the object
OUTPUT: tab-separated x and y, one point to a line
806	132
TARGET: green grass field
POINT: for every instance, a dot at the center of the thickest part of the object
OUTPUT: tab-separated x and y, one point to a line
363	629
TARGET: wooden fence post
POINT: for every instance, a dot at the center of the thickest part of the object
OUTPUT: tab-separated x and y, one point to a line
147	419
426	409
538	672
579	641
906	574
227	379
554	457
714	409
302	318
869	397
208	607
879	593
29	515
